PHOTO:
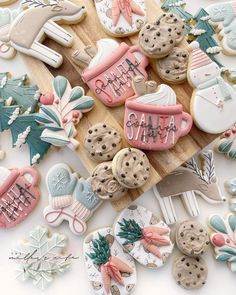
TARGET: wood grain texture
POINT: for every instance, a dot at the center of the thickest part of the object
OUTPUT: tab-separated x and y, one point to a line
87	33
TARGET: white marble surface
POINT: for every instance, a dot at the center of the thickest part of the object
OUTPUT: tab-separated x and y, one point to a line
220	279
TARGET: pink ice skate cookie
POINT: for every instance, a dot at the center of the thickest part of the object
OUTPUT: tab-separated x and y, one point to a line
18	195
110	72
70	198
144	236
153	119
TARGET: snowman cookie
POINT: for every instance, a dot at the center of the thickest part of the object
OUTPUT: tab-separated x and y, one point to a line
111	270
144	236
212	94
120	18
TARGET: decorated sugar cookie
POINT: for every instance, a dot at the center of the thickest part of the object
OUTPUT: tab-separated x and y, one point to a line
61	111
110	71
189	181
211	95
18	195
39	20
45	254
121	18
111	270
70	198
223	14
227	144
153	118
223	238
143	236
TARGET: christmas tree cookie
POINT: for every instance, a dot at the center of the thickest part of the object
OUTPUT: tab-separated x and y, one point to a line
111	270
143	236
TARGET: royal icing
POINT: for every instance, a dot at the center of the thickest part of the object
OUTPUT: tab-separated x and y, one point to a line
61	112
227	144
188	182
230	186
212	94
18	195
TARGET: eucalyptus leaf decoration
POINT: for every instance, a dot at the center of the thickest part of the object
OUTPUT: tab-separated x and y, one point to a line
224	238
130	231
63	113
101	250
227	143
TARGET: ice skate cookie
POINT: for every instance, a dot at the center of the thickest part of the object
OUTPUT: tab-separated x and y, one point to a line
190	272
40	19
227	143
192	238
173	67
110	269
211	95
223	238
19	195
102	142
120	18
145	237
104	184
157	39
131	168
70	198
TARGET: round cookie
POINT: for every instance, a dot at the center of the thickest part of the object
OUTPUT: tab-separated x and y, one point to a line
173	68
102	142
190	272
104	184
192	238
131	167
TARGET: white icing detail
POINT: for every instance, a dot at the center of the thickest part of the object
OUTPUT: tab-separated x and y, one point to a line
4	173
204	18
105	47
165	95
177	4
35	158
3	82
14	116
37	95
197	32
22	137
8	102
213	50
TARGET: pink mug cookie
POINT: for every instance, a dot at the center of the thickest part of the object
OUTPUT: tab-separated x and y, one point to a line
153	120
110	72
18	195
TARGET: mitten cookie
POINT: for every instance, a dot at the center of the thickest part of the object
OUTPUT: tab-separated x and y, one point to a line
144	236
110	269
102	142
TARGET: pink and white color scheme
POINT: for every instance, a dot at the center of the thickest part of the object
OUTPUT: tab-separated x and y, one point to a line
18	195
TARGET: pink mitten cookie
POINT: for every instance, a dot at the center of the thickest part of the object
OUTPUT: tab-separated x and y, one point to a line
18	195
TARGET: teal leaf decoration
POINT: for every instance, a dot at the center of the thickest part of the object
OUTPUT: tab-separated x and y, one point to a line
232	154
231	186
42	119
225	146
60	84
223	257
229	251
218	223
51	114
84	103
76	93
232	221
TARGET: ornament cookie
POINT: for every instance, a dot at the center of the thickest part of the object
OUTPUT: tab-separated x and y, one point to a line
153	118
110	269
39	20
190	272
61	112
223	238
157	39
102	142
120	18
223	15
131	168
18	195
110	71
104	184
51	259
143	236
188	182
70	198
192	238
173	67
211	95
227	144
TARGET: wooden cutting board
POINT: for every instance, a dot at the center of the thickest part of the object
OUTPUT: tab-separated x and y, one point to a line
87	33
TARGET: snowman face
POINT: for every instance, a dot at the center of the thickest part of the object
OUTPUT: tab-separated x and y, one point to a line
204	74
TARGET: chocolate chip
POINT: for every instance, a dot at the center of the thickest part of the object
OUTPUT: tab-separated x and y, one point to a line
90	131
104	147
89	140
114	145
171	41
127	163
146	40
123	175
158	34
167	71
104	126
99	139
148	27
134	158
135	175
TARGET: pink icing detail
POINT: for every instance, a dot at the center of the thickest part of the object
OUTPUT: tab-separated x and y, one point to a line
18	197
111	81
218	240
47	98
154	127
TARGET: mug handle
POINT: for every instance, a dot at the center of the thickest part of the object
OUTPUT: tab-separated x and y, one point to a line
31	171
144	62
189	122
